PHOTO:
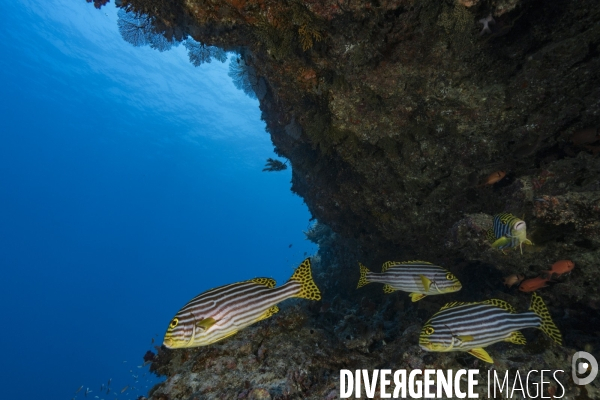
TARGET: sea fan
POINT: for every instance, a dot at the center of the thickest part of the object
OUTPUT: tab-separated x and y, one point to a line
274	165
200	53
139	30
244	76
98	3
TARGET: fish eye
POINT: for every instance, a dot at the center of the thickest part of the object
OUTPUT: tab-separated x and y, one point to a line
450	276
173	323
520	225
428	330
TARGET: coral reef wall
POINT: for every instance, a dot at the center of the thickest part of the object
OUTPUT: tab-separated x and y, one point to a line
393	113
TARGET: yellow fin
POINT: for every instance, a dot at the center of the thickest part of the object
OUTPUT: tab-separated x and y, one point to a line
456	304
270	312
362	281
493	302
417	296
500	303
466	338
503	241
481	354
490	235
308	288
387	265
516	337
426	283
548	326
388	289
206	323
268	282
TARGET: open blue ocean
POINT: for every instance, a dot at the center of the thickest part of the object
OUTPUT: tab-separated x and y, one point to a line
130	181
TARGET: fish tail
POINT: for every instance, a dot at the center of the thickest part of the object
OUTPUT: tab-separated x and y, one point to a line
308	287
548	326
362	281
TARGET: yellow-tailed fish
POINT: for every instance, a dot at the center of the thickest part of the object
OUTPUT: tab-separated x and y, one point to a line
508	231
223	311
472	326
419	278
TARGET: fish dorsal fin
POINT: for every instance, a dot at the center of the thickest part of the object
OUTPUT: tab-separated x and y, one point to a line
415	262
268	282
481	354
388	289
501	304
387	265
426	282
492	302
206	323
505	218
455	304
516	337
416	296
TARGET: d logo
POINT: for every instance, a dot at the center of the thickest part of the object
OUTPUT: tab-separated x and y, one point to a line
581	367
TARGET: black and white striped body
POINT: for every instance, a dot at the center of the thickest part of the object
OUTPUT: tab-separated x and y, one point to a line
508	226
232	307
482	324
407	277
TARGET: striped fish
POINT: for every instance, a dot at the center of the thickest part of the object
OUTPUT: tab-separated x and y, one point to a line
508	231
419	278
472	326
223	311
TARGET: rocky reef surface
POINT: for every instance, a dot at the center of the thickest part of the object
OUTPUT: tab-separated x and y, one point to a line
393	113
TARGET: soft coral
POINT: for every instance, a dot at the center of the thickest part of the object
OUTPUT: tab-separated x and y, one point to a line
98	3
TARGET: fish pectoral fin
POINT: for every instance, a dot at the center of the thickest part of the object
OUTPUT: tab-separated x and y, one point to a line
481	354
503	241
269	313
206	323
466	338
516	337
426	282
416	296
388	289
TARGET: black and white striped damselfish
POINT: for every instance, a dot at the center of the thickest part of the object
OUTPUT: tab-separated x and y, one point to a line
419	278
472	326
508	231
223	311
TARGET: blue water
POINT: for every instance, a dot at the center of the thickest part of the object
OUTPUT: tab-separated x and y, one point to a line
130	181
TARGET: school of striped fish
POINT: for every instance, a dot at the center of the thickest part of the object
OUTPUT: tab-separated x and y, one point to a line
469	327
221	312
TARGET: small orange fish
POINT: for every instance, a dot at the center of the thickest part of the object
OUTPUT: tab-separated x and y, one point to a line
493	178
561	267
533	284
513	279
